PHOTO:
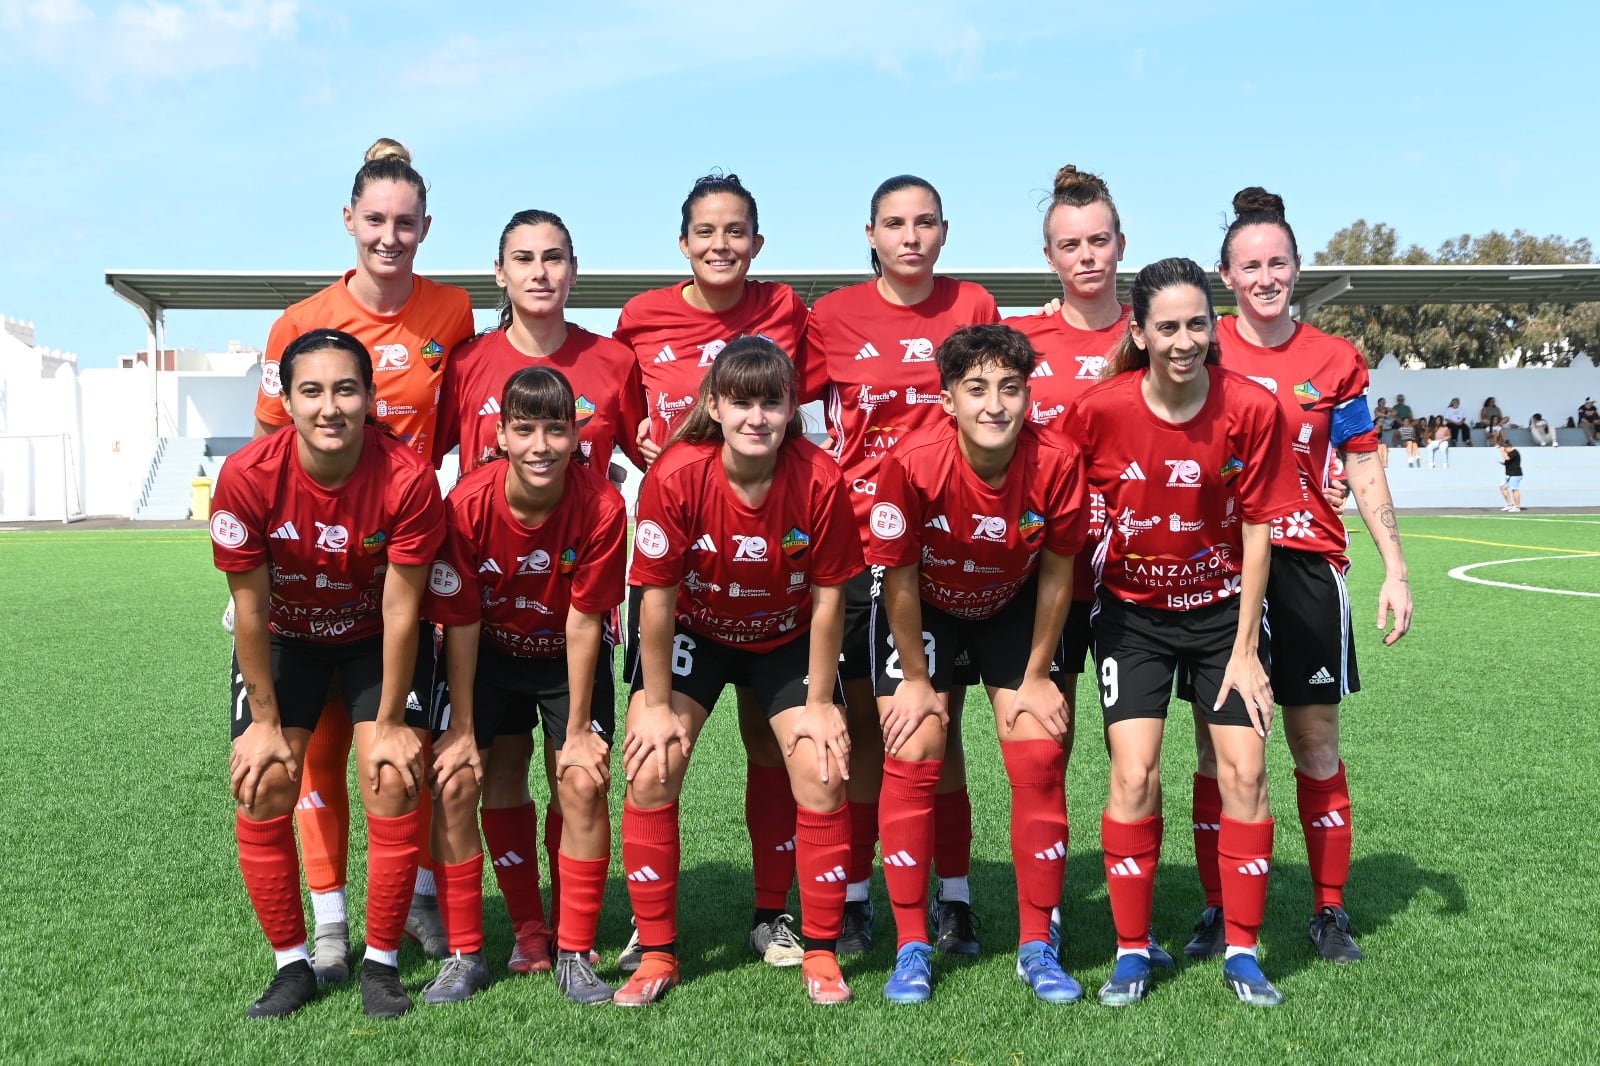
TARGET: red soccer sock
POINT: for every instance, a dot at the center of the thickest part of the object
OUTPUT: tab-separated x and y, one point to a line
1244	850
510	833
1037	769
1133	850
553	823
1325	817
905	823
822	847
392	845
952	833
323	811
650	858
585	884
271	872
863	840
461	903
769	814
1207	825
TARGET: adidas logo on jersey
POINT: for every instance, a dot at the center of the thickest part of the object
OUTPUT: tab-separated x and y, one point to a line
1055	851
286	532
1208	827
1042	371
705	543
1133	473
1331	820
490	567
867	352
833	876
1321	677
508	860
1127	868
1255	868
313	802
787	845
666	354
490	407
900	858
644	874
939	522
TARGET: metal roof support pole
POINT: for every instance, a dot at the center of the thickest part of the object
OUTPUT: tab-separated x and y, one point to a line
1307	305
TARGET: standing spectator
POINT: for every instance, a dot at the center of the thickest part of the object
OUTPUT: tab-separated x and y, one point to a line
1544	433
1511	488
1588	421
1456	421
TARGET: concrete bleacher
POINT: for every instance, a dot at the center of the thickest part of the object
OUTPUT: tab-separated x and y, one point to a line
1552	478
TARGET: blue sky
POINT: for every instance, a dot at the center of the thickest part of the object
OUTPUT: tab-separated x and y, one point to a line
223	134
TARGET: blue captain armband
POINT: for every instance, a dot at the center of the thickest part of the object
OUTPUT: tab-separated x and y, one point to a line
1350	419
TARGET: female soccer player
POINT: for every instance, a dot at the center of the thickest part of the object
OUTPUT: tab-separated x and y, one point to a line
1321	383
409	325
870	355
326	533
976	524
1190	459
676	334
531	571
744	542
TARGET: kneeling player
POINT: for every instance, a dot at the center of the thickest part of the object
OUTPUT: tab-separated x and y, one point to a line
526	587
745	540
977	522
1190	459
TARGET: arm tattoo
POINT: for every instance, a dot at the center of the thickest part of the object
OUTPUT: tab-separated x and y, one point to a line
1387	519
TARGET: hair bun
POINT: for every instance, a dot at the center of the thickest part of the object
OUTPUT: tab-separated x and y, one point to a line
1257	201
387	148
1069	178
717	176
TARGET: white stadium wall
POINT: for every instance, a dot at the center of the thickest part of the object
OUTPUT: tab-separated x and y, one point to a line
1553	392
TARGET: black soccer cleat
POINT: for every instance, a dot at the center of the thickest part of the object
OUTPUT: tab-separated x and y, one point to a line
1210	935
1331	933
956	926
382	994
855	936
292	987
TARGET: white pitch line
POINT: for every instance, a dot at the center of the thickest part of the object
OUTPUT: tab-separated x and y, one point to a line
1460	573
1518	518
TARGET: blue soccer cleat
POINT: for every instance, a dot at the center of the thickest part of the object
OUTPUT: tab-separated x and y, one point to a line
1130	978
912	980
1242	973
1037	965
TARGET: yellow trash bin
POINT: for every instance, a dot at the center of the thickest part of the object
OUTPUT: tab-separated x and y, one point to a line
201	506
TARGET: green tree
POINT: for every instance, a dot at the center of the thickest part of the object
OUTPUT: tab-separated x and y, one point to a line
1478	335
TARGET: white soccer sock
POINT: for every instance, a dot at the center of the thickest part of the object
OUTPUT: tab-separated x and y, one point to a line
1141	952
388	958
1232	951
858	891
295	954
955	890
425	885
328	907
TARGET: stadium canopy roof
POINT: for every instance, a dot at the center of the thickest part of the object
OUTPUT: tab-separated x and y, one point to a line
157	291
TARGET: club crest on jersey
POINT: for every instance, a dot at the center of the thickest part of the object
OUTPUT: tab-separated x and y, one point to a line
918	350
568	561
1307	393
1030	525
1231	468
586	410
271	379
374	544
536	563
332	538
432	351
795	542
709	352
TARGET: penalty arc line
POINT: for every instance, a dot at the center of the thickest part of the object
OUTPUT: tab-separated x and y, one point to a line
1461	573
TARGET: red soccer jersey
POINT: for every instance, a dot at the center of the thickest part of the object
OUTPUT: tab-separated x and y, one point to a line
409	349
325	549
872	361
604	379
1070	361
1321	381
744	574
520	581
674	343
1176	494
976	545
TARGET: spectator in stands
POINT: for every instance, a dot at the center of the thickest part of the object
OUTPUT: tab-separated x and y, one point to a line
1490	418
1406	437
1383	414
1440	436
1402	410
1588	420
1456	421
1511	488
1544	434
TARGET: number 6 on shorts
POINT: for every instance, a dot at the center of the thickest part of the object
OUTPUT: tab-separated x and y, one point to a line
683	646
